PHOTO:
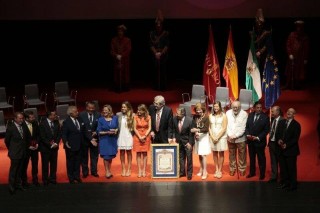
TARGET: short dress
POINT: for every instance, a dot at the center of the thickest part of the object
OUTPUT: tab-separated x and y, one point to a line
107	143
216	126
202	145
125	141
142	125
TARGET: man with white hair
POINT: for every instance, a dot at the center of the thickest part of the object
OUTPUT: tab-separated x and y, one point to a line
237	119
161	118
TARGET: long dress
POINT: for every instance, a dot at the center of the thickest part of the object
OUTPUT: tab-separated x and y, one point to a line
107	143
142	126
125	140
216	126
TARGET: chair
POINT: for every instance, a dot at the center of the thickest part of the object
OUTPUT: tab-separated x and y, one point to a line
3	125
222	95
61	111
4	102
245	98
63	95
31	96
197	95
34	110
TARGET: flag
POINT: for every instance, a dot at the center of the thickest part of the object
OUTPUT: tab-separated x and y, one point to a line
271	79
253	81
211	69
230	70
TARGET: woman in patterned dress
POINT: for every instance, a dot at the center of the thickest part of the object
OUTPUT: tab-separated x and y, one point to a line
200	129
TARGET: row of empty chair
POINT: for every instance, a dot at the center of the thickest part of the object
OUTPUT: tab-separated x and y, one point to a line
32	96
198	95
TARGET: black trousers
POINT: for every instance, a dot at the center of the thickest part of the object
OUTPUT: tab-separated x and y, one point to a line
257	151
94	154
15	172
288	170
49	160
34	156
185	160
274	159
73	164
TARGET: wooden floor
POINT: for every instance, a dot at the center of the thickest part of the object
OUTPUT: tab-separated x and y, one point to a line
168	197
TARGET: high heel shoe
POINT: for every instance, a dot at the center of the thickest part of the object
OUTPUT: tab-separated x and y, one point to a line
139	174
199	173
123	173
128	173
204	176
144	174
219	175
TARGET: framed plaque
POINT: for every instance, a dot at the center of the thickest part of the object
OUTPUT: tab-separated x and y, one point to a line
164	160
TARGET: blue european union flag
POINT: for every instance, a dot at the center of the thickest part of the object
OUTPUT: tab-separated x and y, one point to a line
271	79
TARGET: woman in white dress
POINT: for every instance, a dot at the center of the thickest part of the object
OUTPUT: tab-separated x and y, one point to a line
125	139
218	137
202	146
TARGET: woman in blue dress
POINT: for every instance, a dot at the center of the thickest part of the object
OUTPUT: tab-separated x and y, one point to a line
108	134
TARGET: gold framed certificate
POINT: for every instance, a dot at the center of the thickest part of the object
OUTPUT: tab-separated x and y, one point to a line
165	160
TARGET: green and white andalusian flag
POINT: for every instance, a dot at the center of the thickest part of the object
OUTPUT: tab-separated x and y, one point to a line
253	80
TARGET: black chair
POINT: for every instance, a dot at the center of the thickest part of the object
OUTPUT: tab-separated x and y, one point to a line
31	96
62	94
4	102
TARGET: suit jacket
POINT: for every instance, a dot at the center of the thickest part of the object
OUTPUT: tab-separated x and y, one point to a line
17	145
34	137
72	135
185	136
165	122
290	136
47	137
120	115
260	128
84	116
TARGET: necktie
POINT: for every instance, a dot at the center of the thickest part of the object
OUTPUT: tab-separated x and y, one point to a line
180	125
273	128
256	117
30	127
77	124
20	130
90	119
158	121
51	126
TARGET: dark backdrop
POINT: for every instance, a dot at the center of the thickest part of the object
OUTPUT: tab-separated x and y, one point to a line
63	49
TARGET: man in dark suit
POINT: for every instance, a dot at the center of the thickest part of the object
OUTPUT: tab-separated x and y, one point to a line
50	136
73	131
180	132
32	149
161	116
90	119
257	128
274	149
16	140
287	136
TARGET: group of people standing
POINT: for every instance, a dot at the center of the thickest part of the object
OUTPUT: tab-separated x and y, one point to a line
235	130
88	134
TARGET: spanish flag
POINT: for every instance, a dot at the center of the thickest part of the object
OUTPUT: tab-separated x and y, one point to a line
211	69
230	70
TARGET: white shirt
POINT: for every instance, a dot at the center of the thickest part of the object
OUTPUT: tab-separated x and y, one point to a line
237	125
